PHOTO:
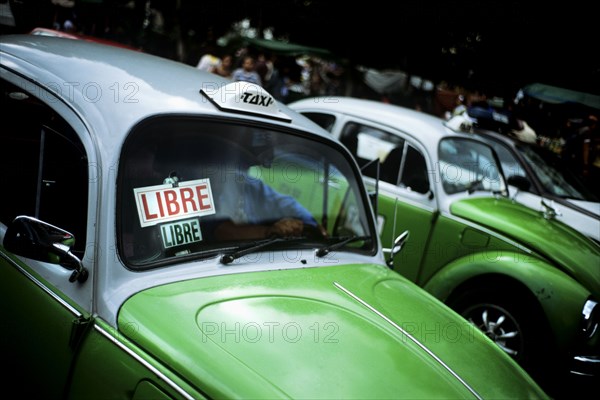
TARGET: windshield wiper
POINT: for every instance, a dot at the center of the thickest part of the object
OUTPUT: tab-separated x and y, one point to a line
323	251
243	250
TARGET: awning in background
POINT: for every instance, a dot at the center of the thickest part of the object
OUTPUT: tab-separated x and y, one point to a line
556	95
289	49
277	47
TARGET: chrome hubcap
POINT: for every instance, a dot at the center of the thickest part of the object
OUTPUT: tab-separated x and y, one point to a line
499	325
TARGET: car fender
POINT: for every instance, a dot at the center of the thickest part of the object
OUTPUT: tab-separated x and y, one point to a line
560	296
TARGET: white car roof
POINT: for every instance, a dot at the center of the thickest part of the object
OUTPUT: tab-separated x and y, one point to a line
115	88
424	127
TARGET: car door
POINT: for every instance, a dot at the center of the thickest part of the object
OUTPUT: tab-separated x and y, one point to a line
405	196
46	177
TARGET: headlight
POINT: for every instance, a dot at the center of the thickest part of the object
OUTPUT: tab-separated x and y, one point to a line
591	318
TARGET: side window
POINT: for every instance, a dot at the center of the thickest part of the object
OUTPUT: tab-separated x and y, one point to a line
414	171
325	121
47	172
367	144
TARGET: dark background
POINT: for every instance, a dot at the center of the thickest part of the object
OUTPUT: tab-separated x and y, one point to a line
491	46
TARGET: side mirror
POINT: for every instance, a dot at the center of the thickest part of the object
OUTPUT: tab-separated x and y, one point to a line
520	182
399	242
38	240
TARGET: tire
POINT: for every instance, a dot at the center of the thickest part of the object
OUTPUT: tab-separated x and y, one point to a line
514	321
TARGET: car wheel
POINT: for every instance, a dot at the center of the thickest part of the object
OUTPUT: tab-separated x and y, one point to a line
500	325
514	322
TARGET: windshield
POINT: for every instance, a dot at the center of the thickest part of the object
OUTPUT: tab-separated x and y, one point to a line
468	165
195	188
555	177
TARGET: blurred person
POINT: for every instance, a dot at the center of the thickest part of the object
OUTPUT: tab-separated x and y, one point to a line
64	15
268	69
269	73
524	132
264	67
225	67
209	61
254	210
248	207
247	72
518	127
581	151
460	108
293	89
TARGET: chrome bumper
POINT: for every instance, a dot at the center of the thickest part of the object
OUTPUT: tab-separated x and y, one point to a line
585	366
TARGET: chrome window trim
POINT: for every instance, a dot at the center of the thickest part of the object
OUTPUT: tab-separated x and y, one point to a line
45	288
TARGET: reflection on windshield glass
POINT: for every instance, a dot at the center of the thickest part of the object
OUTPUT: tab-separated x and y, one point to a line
191	187
467	165
554	176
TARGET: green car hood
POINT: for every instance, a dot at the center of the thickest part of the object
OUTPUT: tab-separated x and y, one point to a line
570	250
323	332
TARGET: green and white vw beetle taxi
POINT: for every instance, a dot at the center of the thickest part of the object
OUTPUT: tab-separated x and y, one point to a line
169	234
528	280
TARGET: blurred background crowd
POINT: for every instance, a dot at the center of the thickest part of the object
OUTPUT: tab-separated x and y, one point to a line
562	120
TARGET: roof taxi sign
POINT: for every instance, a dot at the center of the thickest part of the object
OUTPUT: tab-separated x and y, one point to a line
244	97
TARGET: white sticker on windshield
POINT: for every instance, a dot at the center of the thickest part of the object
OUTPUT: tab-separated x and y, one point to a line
166	203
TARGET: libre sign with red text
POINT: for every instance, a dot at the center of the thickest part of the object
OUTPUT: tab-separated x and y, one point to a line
164	203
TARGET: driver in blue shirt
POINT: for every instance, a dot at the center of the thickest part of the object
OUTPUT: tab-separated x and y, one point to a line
250	209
